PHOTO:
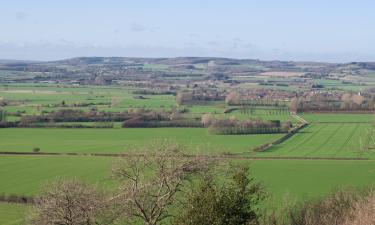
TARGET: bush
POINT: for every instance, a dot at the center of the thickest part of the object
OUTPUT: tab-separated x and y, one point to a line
233	203
36	149
343	207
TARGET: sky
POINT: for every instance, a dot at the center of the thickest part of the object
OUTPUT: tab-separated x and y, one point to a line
303	30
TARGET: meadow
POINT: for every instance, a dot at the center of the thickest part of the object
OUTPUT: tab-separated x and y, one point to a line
12	214
337	118
26	174
197	140
325	140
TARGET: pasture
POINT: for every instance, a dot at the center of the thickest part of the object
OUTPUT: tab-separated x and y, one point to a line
12	214
298	178
197	140
338	118
325	140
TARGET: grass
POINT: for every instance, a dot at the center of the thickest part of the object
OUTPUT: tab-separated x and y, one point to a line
299	178
325	140
310	178
24	175
12	214
335	117
198	140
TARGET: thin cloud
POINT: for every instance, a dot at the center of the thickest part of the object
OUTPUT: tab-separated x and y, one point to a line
137	27
21	15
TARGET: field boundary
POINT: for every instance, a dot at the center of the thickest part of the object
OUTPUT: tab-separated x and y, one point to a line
229	156
342	122
338	111
290	133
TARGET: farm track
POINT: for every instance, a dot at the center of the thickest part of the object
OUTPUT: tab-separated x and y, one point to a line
304	140
234	157
354	131
326	141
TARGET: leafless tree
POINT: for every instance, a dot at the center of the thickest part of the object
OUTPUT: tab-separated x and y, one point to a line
183	97
293	106
71	202
358	99
232	98
152	177
207	119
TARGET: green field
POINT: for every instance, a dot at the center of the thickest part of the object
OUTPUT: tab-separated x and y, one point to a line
12	214
325	140
336	117
198	140
25	174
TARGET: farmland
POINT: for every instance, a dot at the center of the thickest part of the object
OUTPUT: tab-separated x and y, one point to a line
12	214
326	140
90	140
58	129
27	174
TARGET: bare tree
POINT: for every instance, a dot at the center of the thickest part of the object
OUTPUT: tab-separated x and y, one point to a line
358	99
207	119
183	97
232	98
152	177
293	107
71	202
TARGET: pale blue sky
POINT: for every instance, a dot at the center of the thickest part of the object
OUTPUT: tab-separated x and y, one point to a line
319	30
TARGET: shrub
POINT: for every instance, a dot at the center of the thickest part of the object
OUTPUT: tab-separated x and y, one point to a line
233	203
343	207
36	149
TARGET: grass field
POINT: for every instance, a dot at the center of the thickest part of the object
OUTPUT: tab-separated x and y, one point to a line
25	175
198	140
12	214
336	117
325	140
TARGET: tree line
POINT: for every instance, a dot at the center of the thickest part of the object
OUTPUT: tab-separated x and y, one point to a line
343	102
232	126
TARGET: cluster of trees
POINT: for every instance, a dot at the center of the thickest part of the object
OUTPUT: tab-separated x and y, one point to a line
141	123
167	119
345	102
154	92
248	109
132	118
232	126
6	124
257	98
155	187
70	115
190	97
68	125
3	115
